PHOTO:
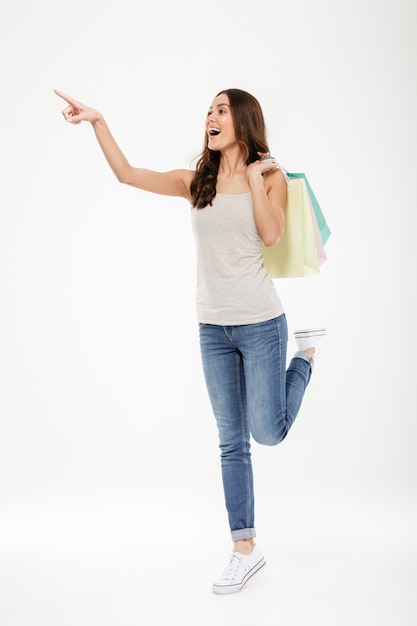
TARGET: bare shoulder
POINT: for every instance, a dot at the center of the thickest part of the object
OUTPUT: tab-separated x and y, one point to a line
275	179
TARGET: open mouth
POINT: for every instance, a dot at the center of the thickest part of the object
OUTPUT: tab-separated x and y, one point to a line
213	132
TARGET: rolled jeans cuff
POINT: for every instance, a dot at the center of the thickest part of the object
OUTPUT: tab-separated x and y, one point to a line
243	533
303	355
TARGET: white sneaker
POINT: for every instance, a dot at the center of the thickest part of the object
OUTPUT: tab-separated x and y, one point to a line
309	338
240	569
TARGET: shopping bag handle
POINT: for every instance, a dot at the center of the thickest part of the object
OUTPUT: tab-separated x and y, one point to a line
283	170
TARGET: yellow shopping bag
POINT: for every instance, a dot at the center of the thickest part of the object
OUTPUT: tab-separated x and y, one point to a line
300	250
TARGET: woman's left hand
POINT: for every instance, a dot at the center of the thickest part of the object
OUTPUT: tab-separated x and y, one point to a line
263	165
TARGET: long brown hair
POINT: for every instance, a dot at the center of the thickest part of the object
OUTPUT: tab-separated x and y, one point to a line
250	134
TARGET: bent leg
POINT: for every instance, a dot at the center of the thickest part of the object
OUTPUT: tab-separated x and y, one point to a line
274	394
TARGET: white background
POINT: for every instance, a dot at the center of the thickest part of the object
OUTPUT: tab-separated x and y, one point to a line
111	499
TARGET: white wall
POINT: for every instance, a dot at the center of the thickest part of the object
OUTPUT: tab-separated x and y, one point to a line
101	385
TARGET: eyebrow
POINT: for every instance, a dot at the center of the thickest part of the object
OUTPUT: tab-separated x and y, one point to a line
222	104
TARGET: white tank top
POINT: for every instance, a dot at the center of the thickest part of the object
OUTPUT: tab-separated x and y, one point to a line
233	286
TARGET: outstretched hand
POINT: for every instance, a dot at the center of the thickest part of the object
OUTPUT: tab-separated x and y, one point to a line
76	112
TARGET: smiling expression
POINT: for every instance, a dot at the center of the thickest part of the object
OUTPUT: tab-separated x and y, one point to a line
219	124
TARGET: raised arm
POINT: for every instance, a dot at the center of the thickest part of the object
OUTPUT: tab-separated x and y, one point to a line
173	183
269	194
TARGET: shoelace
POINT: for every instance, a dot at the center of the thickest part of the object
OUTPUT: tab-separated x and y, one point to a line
231	570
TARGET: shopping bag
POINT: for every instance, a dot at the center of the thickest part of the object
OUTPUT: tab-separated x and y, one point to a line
321	220
321	255
300	251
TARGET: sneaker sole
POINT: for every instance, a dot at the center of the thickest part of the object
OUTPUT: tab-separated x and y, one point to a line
226	589
306	334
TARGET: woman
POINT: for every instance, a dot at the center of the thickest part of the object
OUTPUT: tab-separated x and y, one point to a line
237	194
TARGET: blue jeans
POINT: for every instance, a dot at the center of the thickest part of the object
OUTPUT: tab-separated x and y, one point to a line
251	393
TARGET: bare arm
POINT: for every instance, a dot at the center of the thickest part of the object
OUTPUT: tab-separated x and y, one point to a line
173	183
269	196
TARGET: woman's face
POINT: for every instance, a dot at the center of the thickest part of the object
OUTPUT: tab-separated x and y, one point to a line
219	124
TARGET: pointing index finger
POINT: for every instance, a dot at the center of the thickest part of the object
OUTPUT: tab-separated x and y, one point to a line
65	97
